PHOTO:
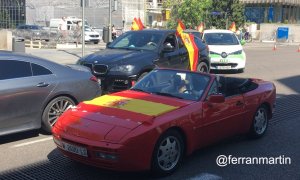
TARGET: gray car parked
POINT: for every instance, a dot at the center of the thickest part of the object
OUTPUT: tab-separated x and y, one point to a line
34	92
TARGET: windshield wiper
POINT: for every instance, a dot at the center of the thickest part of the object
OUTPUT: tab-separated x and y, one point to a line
167	94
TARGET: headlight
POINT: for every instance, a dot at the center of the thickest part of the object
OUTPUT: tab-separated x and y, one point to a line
122	68
238	52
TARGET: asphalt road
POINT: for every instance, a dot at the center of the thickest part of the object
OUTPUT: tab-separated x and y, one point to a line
32	155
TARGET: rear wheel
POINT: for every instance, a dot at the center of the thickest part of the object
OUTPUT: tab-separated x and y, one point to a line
168	153
260	122
202	67
53	110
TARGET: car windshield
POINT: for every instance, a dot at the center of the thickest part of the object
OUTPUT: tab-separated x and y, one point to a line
139	40
173	83
220	39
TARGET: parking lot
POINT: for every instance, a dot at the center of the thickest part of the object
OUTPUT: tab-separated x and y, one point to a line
32	155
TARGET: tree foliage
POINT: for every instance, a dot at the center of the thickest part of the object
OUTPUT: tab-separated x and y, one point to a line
193	12
231	11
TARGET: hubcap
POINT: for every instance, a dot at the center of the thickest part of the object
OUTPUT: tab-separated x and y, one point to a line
169	152
57	109
260	121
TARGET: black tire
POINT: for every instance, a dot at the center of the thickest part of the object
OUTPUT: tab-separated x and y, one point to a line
260	118
53	110
158	167
96	42
241	70
203	67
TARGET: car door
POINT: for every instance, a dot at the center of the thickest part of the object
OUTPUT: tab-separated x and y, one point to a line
21	94
169	56
219	119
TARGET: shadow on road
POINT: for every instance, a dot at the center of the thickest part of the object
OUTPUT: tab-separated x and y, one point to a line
18	136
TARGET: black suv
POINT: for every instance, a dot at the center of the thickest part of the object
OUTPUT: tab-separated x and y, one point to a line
135	53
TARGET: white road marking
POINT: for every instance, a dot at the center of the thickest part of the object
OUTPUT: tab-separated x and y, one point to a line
32	142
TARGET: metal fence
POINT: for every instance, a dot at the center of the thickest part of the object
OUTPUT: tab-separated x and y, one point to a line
12	13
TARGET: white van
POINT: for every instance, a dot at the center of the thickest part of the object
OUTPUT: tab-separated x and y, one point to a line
89	35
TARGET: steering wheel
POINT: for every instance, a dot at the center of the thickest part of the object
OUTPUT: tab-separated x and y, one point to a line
152	44
187	91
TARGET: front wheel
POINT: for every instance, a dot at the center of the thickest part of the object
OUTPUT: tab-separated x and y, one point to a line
202	67
168	153
260	122
53	110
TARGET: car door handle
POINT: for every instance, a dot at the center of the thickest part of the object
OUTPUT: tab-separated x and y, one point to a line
239	103
42	84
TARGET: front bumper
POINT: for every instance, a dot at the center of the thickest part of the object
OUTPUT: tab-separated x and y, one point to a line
127	158
229	63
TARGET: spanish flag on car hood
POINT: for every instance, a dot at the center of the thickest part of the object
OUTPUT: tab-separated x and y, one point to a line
131	105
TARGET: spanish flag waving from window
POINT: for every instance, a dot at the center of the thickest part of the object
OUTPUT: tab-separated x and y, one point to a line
190	45
180	28
137	24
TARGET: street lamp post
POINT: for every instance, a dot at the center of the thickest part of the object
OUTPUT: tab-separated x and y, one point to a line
109	26
83	29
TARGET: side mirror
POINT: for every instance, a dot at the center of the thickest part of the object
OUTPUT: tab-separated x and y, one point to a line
216	98
243	42
168	48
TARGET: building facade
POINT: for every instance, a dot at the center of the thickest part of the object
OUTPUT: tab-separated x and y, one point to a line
12	13
274	11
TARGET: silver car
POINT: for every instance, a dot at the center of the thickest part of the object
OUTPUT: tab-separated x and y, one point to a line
34	92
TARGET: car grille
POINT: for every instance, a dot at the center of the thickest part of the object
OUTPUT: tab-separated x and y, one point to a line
100	69
97	68
94	35
224	64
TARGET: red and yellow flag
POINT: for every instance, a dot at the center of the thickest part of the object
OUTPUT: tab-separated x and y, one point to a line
232	27
180	28
189	43
135	25
141	25
200	28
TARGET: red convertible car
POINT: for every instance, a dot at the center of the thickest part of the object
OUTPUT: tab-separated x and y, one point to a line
165	116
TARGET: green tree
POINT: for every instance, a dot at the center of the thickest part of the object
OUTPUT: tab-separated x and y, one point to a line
231	11
4	19
191	12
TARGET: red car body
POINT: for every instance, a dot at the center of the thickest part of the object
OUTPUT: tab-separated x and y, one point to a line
123	140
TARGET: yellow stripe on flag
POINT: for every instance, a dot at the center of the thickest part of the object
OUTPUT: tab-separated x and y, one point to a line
190	48
133	105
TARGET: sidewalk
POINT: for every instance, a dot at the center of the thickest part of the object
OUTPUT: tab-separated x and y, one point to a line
64	55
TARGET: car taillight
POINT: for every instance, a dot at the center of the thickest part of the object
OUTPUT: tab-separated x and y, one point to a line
93	78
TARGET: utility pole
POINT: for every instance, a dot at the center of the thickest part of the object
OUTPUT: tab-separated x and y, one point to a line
83	29
109	26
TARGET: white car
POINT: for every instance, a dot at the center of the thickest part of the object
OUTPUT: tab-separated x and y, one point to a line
225	50
91	35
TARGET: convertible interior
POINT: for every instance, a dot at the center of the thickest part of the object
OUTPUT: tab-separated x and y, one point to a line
230	86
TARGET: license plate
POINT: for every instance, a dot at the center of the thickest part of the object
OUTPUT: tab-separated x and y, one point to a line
223	60
74	149
223	67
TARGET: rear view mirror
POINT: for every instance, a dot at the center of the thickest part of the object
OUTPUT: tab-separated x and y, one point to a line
168	48
216	98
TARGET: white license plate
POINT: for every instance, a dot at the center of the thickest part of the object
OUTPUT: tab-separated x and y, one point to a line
223	67
74	149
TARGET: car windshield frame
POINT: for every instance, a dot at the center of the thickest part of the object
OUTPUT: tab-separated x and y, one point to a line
136	37
221	38
161	82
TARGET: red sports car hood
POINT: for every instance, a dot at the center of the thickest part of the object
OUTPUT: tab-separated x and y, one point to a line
111	117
